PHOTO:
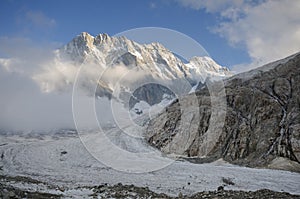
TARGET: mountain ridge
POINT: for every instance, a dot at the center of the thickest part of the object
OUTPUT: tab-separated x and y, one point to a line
105	55
262	123
85	45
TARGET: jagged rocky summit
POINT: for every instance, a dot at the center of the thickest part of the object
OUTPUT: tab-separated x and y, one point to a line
154	61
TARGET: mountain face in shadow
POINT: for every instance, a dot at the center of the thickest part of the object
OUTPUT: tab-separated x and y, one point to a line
261	127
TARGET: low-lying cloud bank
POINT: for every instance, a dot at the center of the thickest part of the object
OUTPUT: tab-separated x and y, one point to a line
25	107
36	88
36	91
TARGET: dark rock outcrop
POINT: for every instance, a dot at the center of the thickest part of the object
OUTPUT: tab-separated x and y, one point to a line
151	93
262	120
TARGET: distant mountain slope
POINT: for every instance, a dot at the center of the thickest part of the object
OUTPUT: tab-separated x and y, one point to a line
262	125
108	51
152	62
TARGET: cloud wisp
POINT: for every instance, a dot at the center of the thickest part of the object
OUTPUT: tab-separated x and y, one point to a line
38	18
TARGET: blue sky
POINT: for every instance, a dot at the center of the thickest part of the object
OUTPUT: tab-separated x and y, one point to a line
219	26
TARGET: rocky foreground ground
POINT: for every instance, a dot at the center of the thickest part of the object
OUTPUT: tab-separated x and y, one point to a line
130	191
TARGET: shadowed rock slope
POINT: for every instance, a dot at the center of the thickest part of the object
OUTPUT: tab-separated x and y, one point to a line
261	127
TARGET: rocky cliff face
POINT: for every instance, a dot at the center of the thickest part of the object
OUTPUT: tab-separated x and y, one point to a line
262	123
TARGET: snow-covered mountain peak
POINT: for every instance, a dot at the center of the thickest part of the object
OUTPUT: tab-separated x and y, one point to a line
84	39
153	60
85	34
103	37
208	64
157	45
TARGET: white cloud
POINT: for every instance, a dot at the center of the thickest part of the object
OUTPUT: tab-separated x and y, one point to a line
22	55
39	19
152	5
23	105
269	30
34	22
211	5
